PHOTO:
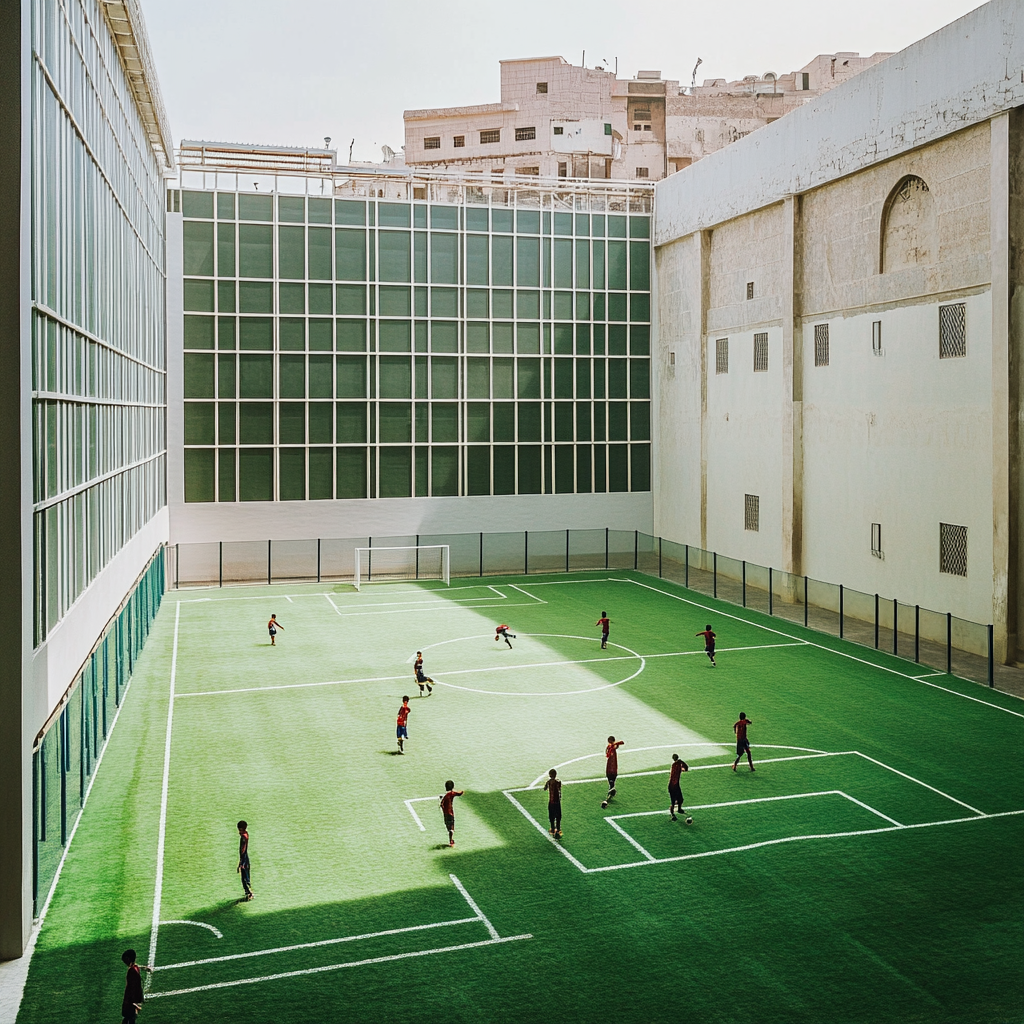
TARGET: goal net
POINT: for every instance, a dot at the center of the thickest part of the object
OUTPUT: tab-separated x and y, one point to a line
415	562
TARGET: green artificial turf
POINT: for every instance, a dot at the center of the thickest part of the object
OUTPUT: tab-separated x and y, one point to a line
800	893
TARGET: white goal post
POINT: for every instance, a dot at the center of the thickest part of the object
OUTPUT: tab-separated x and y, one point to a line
412	562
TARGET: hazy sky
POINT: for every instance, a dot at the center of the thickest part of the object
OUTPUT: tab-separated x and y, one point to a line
291	73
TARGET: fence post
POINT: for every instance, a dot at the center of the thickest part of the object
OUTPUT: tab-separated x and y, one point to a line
270	576
318	559
636	550
714	573
526	552
917	633
840	611
659	558
805	602
895	625
771	593
744	583
606	547
991	659
177	565
566	550
949	643
481	552
876	622
220	563
686	567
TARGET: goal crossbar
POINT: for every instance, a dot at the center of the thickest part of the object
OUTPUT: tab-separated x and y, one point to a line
403	562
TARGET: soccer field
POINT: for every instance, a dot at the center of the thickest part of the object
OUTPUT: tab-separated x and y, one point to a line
869	870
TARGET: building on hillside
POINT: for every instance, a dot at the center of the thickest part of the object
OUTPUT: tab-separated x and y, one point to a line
558	120
837	335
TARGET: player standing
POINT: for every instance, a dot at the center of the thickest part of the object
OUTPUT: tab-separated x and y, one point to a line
675	792
402	732
133	997
742	743
421	679
605	623
243	859
709	642
272	627
611	769
554	788
448	808
502	631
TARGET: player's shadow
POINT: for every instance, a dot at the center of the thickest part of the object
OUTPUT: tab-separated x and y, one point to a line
393	753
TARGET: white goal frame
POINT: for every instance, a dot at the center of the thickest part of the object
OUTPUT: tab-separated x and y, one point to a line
364	561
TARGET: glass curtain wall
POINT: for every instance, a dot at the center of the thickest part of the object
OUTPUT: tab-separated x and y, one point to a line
345	348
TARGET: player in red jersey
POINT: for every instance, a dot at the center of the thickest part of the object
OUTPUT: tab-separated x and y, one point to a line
272	627
243	860
675	792
605	623
742	743
502	631
554	788
131	1004
402	732
709	642
422	680
448	808
611	768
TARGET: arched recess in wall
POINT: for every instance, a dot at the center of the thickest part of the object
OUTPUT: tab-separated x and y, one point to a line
909	234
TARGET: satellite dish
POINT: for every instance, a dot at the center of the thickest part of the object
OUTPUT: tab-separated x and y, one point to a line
389	154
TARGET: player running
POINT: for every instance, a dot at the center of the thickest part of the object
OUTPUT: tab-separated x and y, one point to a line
611	768
709	642
448	808
421	679
554	788
742	743
272	627
675	792
402	732
605	623
502	631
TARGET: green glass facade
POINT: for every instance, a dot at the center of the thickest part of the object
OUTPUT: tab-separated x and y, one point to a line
354	348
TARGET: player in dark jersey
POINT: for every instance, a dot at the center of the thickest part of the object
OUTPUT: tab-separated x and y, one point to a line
131	1004
243	859
742	743
502	631
554	788
421	679
709	642
272	627
448	808
402	732
611	768
605	623
675	792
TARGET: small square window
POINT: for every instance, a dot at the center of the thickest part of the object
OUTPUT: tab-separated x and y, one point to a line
953	331
489	135
876	540
525	134
459	141
761	353
432	142
419	191
542	87
750	289
558	130
563	170
751	512
607	129
821	344
953	549
642	172
876	337
722	355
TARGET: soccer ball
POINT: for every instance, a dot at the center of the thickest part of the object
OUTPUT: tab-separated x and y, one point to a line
604	804
689	821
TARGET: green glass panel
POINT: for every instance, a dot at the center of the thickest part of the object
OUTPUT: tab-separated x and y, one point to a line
352	473
617	306
320	414
198	247
563	378
563	421
616	378
616	340
616	227
597	225
395	335
444	217
563	306
444	421
528	222
583	421
226	205
599	378
476	258
291	297
599	306
477	303
504	469
256	332
582	224
639	307
565	475
291	335
393	215
529	377
198	376
319	211
422	341
501	337
617	265
584	470
640	266
478	463
350	254
501	380
291	209
319	243
501	260
504	418
198	332
395	301
444	378
226	475
351	376
291	423
599	421
599	335
444	258
321	335
598	255
529	421
321	470
256	474
351	335
563	263
476	219
199	474
640	341
639	227
421	415
253	207
618	467
291	464
422	470
444	336
420	301
256	376
444	302
444	470
395	377
640	467
640	421
395	473
478	338
226	373
419	216
226	301
292	376
420	256
256	423
321	383
640	378
348	211
351	417
321	298
198	296
478	421
256	297
529	469
501	220
394	256
255	250
583	339
563	339
199	423
528	338
226	413
291	252
617	422
528	262
351	300
563	223
582	264
478	378
196	204
501	304
528	305
582	378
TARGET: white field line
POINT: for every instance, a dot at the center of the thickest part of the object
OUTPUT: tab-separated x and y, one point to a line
540	828
416	817
162	833
288	599
197	924
335	967
432	606
629	839
919	782
868	807
533	597
332	604
831	650
491	930
343	594
928	675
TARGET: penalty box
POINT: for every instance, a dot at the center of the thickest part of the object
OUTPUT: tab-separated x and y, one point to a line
807	797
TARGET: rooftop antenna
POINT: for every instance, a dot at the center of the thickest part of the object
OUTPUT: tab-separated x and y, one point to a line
327	142
583	63
693	80
350	145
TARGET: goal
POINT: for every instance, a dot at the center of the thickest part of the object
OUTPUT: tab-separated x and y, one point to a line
415	562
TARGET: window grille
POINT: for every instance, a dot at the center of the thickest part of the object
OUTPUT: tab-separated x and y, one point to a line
750	289
876	540
459	142
641	114
821	344
432	142
751	512
953	549
642	172
419	191
490	135
876	337
722	355
542	87
953	331
525	134
761	353
563	169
